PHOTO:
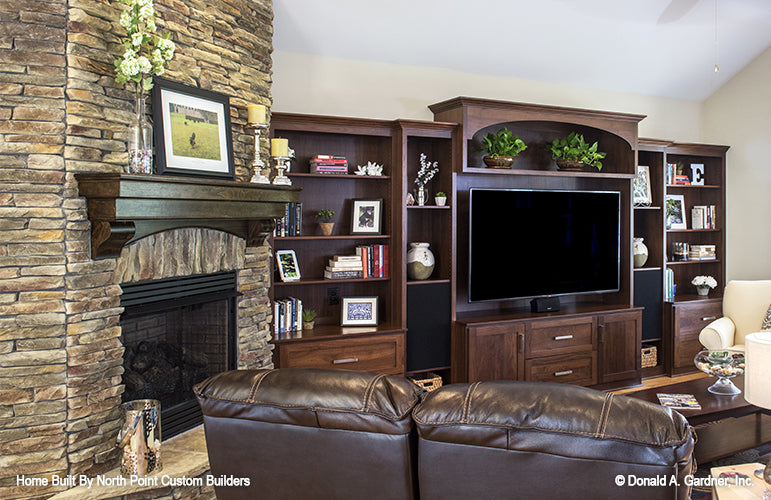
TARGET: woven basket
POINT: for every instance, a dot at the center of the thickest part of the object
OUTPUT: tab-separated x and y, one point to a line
428	381
649	357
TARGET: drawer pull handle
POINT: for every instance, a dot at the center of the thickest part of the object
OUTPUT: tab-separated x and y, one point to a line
345	360
709	318
562	374
563	337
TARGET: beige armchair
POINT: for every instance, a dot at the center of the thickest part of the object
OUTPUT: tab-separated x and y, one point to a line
745	304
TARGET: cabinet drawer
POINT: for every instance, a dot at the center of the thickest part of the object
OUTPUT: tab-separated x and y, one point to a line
559	337
580	369
697	315
686	347
383	354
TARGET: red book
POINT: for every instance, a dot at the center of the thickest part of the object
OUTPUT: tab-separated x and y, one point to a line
385	261
376	262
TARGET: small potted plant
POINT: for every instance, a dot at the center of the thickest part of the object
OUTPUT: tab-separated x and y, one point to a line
572	153
704	284
308	316
325	220
501	148
440	198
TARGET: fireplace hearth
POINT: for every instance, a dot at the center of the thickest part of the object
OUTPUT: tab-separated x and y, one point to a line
177	332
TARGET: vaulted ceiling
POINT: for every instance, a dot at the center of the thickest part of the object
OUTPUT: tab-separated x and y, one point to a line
664	48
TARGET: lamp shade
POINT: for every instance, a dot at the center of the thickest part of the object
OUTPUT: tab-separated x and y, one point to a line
757	373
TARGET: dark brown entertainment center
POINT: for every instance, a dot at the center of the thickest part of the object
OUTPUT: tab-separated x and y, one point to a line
429	325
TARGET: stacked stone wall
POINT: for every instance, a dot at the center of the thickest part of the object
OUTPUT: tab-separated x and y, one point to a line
61	112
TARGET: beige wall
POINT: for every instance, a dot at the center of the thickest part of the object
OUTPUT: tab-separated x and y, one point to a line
739	115
332	86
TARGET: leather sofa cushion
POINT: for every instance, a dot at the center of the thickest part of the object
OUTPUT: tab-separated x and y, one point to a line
329	399
557	419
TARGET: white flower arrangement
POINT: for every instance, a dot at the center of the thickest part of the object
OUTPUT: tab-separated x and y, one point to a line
369	169
427	171
145	53
704	281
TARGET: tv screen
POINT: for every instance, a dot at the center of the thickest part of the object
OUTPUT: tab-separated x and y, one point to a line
531	243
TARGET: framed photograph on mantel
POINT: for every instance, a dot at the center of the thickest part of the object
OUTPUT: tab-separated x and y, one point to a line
192	131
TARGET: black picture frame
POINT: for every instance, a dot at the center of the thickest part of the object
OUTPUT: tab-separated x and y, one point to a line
366	216
197	142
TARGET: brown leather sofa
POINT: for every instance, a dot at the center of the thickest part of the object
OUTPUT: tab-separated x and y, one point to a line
336	434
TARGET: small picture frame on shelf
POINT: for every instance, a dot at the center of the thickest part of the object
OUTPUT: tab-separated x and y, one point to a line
643	194
287	265
675	212
366	216
359	311
192	131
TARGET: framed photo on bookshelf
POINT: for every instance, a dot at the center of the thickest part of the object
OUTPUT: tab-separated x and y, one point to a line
287	265
643	194
675	212
359	311
192	131
366	216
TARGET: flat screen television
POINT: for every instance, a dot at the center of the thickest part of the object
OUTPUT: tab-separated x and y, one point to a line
535	243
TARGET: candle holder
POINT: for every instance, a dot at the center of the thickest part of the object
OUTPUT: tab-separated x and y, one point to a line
282	164
259	176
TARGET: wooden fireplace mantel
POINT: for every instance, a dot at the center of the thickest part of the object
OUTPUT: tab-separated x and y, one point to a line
125	207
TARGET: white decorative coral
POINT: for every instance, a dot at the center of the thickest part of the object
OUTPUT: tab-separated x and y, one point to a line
369	169
701	281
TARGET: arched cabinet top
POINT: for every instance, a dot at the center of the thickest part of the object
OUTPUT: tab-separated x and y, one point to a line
537	125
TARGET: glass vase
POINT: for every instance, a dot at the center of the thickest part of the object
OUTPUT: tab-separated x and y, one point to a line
140	141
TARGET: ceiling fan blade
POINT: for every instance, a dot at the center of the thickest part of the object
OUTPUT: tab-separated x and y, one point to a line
676	10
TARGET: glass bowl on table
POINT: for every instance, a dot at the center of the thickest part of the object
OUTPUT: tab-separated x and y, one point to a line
724	365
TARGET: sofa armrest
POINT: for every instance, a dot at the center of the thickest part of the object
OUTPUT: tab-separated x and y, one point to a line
719	334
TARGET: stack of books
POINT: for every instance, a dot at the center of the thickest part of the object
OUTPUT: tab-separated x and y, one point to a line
669	286
673	178
287	315
703	217
291	223
702	252
344	267
329	164
374	260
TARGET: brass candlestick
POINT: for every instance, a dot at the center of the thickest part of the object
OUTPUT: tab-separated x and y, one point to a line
261	172
282	164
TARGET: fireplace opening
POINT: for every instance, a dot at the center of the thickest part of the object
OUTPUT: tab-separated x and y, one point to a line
177	332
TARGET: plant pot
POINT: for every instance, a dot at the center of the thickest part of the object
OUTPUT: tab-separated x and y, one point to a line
308	325
440	200
702	291
570	165
326	228
498	161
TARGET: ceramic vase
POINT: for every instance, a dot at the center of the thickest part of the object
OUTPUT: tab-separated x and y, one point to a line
640	252
422	196
420	261
140	141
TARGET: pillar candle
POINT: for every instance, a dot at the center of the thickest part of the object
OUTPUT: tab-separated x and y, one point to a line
279	147
256	113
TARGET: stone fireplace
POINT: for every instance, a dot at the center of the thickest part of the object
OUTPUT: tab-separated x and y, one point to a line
61	345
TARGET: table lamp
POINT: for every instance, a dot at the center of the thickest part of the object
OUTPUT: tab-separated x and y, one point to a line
757	381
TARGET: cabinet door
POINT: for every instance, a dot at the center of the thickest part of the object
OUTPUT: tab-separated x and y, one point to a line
620	337
494	351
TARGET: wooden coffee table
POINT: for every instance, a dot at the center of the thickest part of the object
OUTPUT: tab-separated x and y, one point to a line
724	424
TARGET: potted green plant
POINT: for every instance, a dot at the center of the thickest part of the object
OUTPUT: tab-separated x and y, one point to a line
573	152
440	198
501	148
308	316
325	220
